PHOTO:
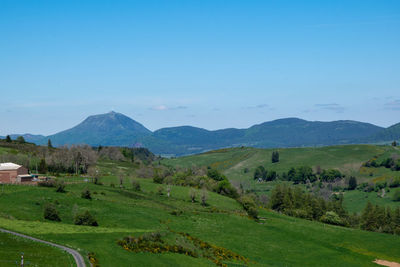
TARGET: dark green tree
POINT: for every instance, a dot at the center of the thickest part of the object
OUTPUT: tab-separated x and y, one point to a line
215	175
352	183
271	175
330	175
277	198
49	144
20	139
8	139
275	157
260	173
369	220
394	143
42	168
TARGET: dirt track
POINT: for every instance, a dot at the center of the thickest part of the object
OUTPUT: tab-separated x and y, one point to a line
387	263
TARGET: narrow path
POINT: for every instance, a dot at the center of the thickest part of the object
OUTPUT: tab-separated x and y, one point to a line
80	262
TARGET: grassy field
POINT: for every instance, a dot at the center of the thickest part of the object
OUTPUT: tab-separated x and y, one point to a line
277	241
347	159
35	254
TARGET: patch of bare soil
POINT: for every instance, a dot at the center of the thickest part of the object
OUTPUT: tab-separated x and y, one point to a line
387	263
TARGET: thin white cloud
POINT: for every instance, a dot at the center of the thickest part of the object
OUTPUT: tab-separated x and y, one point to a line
393	105
260	106
164	108
331	106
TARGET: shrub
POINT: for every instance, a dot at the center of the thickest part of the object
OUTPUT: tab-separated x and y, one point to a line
249	206
158	179
93	259
86	194
136	185
225	188
215	175
60	187
85	218
50	213
49	183
332	218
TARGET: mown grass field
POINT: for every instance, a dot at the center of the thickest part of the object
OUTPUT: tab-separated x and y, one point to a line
276	241
35	254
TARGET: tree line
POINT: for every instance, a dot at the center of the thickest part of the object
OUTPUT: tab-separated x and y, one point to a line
294	202
298	175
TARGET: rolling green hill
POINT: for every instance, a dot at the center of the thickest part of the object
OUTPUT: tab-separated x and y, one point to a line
223	224
279	240
239	164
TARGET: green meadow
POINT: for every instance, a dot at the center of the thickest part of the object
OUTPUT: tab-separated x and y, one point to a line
238	164
276	240
35	254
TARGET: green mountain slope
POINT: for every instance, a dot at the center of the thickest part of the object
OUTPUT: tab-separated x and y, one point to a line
115	129
291	132
387	135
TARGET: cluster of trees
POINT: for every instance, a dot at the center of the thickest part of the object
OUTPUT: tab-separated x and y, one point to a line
295	202
262	174
19	139
330	175
380	219
73	159
392	163
298	175
210	179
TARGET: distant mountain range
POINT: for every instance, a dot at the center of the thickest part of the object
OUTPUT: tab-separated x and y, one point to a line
116	129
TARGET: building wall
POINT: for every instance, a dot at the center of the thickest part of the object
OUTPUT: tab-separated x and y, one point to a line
10	176
5	177
22	171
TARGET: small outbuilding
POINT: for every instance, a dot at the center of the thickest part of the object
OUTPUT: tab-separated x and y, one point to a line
11	173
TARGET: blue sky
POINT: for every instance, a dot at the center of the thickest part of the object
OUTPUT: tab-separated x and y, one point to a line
212	64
